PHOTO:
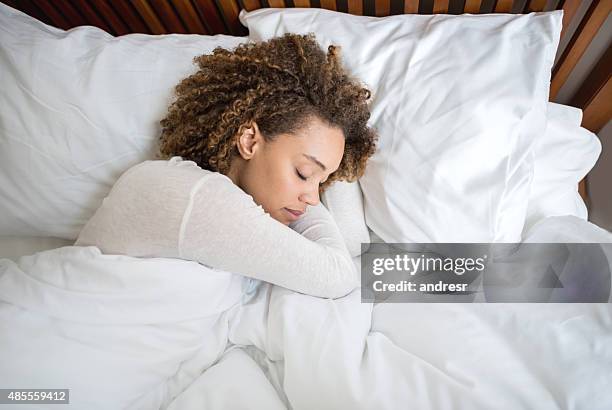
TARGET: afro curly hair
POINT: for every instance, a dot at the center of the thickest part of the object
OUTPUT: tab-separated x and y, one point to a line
279	84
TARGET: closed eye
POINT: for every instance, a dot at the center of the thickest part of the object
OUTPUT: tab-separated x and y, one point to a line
303	178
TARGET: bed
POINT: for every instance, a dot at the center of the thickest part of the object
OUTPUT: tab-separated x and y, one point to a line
125	334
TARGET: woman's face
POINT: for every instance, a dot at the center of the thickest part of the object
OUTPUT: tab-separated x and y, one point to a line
285	174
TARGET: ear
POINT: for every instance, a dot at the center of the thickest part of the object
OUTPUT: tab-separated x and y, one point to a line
249	141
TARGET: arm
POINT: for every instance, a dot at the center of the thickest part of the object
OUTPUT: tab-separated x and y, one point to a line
175	209
227	230
344	200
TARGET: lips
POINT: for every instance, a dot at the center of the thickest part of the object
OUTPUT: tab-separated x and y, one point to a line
294	212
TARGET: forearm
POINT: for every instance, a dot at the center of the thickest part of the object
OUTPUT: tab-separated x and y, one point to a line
309	256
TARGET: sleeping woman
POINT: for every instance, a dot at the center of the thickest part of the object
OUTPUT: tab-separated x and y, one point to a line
248	145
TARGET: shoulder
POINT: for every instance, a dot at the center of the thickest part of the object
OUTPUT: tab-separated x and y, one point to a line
174	171
174	165
177	183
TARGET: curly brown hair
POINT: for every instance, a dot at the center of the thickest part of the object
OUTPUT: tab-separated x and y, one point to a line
279	84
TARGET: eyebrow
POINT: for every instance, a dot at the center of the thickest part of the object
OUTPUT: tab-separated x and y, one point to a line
316	161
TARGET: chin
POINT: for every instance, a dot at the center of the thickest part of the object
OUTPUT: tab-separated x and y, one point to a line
283	221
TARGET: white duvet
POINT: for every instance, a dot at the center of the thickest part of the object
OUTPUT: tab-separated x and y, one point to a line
124	332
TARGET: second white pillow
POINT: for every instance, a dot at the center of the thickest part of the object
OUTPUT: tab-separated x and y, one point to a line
564	154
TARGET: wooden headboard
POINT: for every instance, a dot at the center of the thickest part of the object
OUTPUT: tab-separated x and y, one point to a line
120	17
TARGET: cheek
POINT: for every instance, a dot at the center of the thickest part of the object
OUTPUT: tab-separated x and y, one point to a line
285	187
273	186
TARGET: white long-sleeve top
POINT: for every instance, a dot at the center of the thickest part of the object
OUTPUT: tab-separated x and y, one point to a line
176	209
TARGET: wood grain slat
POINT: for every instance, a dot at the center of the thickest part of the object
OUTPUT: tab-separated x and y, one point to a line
382	8
148	15
329	5
166	14
595	81
189	16
411	6
56	17
472	6
278	4
535	5
73	17
552	5
91	15
504	6
586	31
28	7
132	19
355	7
250	5
111	17
518	7
210	16
487	6
342	6
570	7
597	111
229	14
440	7
301	3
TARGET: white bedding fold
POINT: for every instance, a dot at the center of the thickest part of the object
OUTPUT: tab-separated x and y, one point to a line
346	354
81	284
434	356
115	330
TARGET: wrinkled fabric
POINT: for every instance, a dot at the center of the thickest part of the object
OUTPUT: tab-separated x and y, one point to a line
134	333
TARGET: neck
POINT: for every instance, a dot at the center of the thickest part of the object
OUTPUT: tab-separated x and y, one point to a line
234	172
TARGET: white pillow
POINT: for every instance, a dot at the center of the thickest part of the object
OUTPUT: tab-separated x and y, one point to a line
77	109
564	155
458	102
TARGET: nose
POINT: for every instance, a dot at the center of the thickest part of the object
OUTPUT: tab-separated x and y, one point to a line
311	197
